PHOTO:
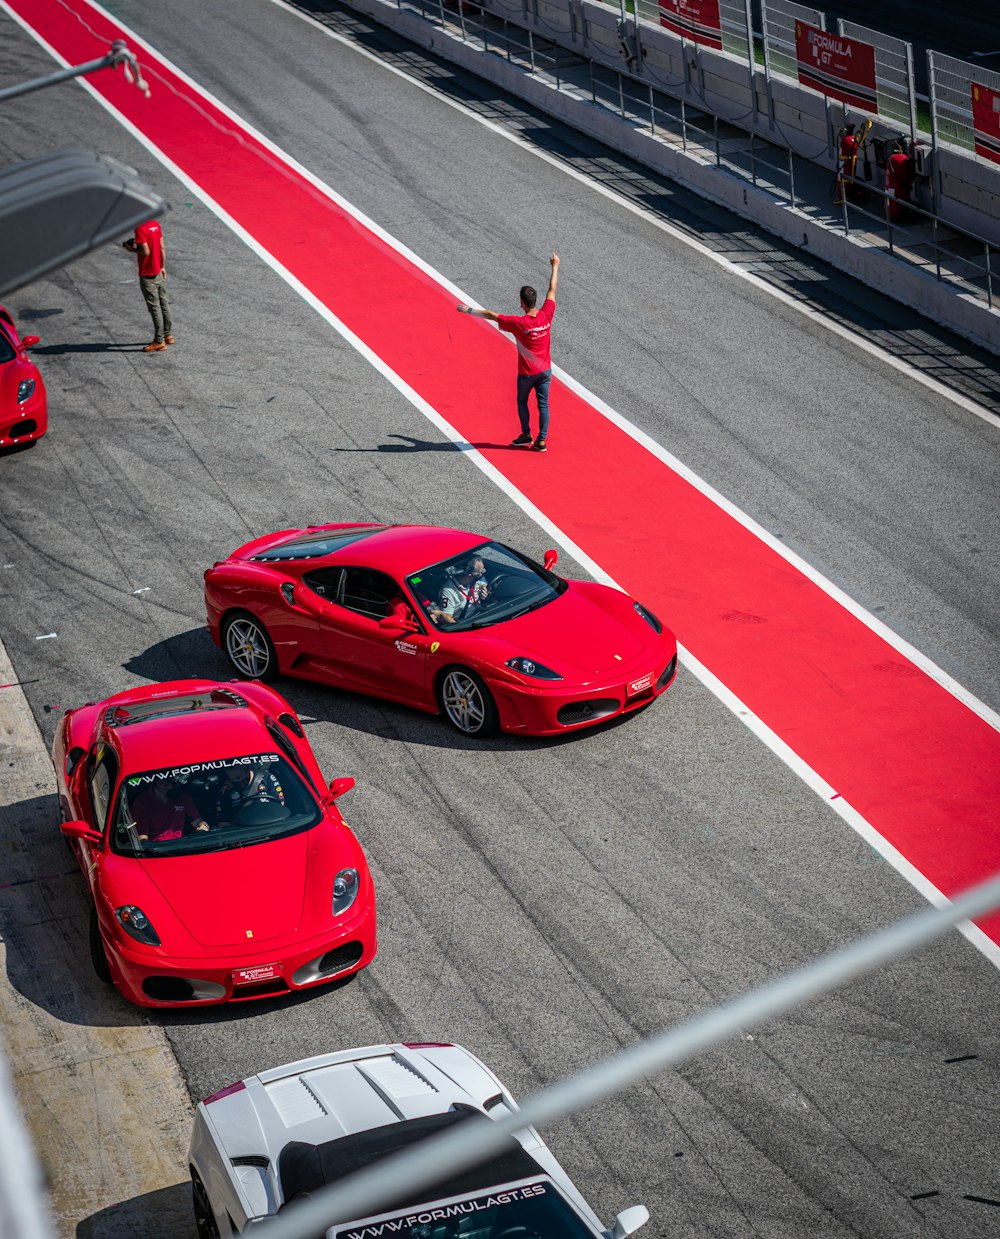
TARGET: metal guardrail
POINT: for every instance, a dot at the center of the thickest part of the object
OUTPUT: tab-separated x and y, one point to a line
961	259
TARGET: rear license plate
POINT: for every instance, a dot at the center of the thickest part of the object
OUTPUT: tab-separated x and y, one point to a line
250	976
638	686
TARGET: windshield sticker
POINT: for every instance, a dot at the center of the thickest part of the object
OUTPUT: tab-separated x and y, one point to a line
185	772
410	1220
415	580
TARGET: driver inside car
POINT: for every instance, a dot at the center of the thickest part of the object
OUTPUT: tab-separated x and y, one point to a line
465	591
243	784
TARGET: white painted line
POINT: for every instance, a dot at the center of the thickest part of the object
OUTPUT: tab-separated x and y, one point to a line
47	636
868	346
805	772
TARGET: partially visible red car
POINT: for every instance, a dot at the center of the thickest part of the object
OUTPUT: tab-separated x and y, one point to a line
219	866
440	619
24	413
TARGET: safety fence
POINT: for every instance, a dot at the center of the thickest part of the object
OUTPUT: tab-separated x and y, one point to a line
533	36
894	85
965	105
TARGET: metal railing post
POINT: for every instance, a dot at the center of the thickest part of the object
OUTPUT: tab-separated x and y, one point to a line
753	159
531	50
593	88
718	147
684	128
989	275
652	113
791	179
937	249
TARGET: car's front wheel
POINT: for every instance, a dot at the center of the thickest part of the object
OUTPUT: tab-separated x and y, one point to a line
248	647
98	957
468	703
204	1218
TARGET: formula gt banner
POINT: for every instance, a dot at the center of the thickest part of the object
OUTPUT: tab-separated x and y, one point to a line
697	20
986	121
836	66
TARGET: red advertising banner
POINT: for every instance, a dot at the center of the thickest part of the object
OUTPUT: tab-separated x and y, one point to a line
836	66
697	20
986	121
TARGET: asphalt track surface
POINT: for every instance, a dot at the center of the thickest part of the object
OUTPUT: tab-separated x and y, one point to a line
541	903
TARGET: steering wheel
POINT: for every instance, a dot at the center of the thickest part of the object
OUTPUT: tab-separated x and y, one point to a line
491	596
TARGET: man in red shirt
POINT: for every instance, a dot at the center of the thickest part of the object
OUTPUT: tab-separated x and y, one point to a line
147	245
532	331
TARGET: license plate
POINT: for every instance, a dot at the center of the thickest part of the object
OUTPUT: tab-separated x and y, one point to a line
638	686
249	976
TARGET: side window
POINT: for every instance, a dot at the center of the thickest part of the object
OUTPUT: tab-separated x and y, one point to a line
368	593
103	769
325	582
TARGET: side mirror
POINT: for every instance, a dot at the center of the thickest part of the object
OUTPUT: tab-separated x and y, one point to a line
629	1220
340	787
80	830
31	341
550	560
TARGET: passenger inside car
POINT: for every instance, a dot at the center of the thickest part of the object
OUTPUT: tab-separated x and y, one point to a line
166	810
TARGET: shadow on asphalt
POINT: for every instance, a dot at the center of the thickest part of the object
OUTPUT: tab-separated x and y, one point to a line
163	1214
428	445
193	654
45	923
56	350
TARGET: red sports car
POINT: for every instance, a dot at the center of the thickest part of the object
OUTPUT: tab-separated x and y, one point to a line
24	415
219	866
438	619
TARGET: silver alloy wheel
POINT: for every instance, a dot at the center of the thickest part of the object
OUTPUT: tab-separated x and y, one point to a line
463	702
247	647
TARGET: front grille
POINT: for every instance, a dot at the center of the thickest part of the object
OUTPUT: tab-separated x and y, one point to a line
668	673
26	426
588	711
168	989
341	957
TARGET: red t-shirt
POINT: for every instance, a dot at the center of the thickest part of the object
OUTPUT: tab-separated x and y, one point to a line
152	263
533	335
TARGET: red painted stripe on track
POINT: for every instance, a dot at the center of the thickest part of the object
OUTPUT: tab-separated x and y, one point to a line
922	768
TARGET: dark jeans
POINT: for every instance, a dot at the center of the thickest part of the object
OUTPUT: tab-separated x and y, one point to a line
155	292
539	384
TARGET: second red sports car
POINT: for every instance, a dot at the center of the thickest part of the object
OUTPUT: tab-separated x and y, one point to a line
218	863
24	415
440	619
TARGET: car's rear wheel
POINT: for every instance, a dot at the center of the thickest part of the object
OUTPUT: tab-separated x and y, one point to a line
468	703
248	647
204	1218
98	956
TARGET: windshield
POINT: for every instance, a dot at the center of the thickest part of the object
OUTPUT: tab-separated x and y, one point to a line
521	1211
483	587
210	806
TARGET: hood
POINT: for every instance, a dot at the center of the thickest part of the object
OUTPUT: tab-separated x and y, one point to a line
575	636
243	897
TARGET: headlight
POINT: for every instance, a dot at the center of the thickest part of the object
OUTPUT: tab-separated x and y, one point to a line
528	666
648	616
135	922
25	389
345	890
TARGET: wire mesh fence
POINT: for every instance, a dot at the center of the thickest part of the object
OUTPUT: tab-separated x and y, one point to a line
894	87
952	99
